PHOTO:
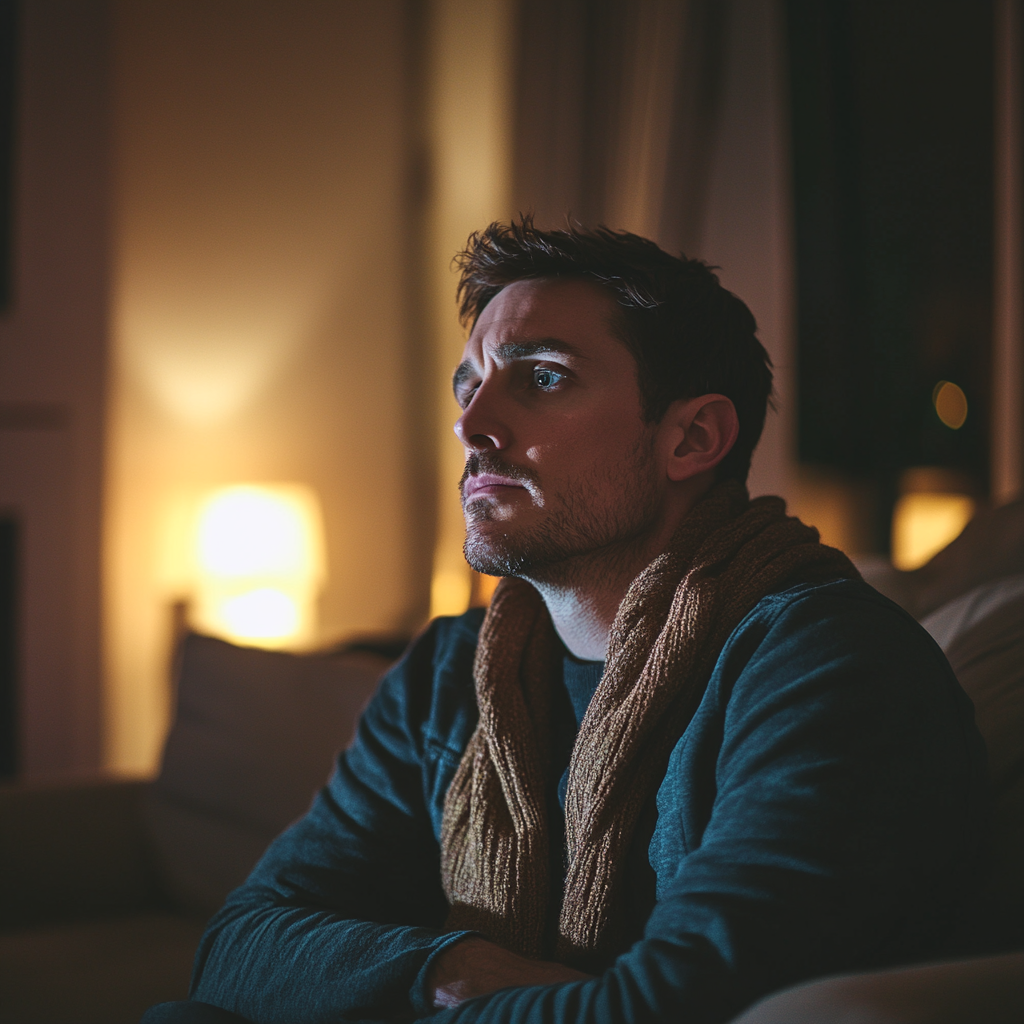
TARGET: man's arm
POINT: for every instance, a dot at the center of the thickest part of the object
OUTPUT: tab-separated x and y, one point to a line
344	912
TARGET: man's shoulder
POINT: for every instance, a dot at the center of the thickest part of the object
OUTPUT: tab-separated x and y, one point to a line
841	607
831	597
836	637
454	631
827	671
445	647
429	695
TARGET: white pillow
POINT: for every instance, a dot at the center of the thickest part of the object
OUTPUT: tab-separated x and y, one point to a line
956	617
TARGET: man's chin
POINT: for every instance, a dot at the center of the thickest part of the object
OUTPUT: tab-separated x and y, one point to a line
484	559
493	553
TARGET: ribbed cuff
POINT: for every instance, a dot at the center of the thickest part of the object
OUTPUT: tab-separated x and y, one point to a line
419	997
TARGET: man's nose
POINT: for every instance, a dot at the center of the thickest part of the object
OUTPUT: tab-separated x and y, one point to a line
481	427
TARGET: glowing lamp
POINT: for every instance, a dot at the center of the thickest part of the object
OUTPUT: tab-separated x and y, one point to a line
932	512
260	554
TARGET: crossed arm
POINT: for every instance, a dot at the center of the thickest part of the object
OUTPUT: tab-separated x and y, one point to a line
835	821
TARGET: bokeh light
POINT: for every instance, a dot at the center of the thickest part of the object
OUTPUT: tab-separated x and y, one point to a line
950	404
924	523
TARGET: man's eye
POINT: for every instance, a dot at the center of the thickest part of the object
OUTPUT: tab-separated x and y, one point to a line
545	379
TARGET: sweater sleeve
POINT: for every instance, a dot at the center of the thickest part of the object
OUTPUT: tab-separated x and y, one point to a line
822	814
343	914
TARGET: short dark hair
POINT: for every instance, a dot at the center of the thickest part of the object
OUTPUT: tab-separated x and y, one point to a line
688	334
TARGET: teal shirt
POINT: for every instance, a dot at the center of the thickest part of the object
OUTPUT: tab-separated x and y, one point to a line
824	811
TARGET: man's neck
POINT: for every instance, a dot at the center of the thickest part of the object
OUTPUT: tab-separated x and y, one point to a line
581	618
583	596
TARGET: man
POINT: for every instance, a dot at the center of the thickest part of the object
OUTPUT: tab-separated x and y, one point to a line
685	759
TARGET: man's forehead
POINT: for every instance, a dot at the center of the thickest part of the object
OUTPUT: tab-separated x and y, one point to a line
554	314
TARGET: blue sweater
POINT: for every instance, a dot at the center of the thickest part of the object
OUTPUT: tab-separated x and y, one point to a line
824	811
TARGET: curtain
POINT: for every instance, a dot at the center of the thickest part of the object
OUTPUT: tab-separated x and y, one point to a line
616	109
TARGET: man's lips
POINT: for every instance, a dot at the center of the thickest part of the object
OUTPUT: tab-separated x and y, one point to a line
487	484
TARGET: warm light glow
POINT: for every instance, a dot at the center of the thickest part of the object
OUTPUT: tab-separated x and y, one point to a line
266	614
208	379
484	588
950	404
924	523
450	592
260	560
471	123
250	531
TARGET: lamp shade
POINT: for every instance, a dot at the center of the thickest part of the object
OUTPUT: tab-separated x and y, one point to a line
260	564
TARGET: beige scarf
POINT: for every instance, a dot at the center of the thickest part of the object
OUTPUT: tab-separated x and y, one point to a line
728	554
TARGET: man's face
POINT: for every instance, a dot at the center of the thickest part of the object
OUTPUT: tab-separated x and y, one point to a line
559	461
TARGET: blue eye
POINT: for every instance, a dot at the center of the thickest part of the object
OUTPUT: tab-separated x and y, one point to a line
545	379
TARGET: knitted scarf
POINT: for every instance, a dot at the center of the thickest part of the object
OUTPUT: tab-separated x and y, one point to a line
728	553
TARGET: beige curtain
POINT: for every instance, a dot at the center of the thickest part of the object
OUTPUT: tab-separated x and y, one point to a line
616	107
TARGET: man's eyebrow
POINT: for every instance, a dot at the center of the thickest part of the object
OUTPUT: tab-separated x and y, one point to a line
510	350
523	349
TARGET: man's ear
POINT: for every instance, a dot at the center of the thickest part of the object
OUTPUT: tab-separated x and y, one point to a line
699	433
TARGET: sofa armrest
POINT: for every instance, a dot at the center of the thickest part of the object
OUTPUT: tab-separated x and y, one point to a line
73	851
989	989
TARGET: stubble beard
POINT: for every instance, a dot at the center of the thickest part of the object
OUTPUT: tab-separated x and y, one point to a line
578	534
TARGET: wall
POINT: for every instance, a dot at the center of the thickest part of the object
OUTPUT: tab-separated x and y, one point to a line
259	309
289	183
468	115
53	348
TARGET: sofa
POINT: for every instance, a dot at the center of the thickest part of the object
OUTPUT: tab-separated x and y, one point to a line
105	885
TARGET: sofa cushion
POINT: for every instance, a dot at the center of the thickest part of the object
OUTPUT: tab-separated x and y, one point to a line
73	850
982	633
254	737
95	972
986	989
962	614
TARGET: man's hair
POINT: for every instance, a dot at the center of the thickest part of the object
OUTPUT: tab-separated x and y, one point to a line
688	334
